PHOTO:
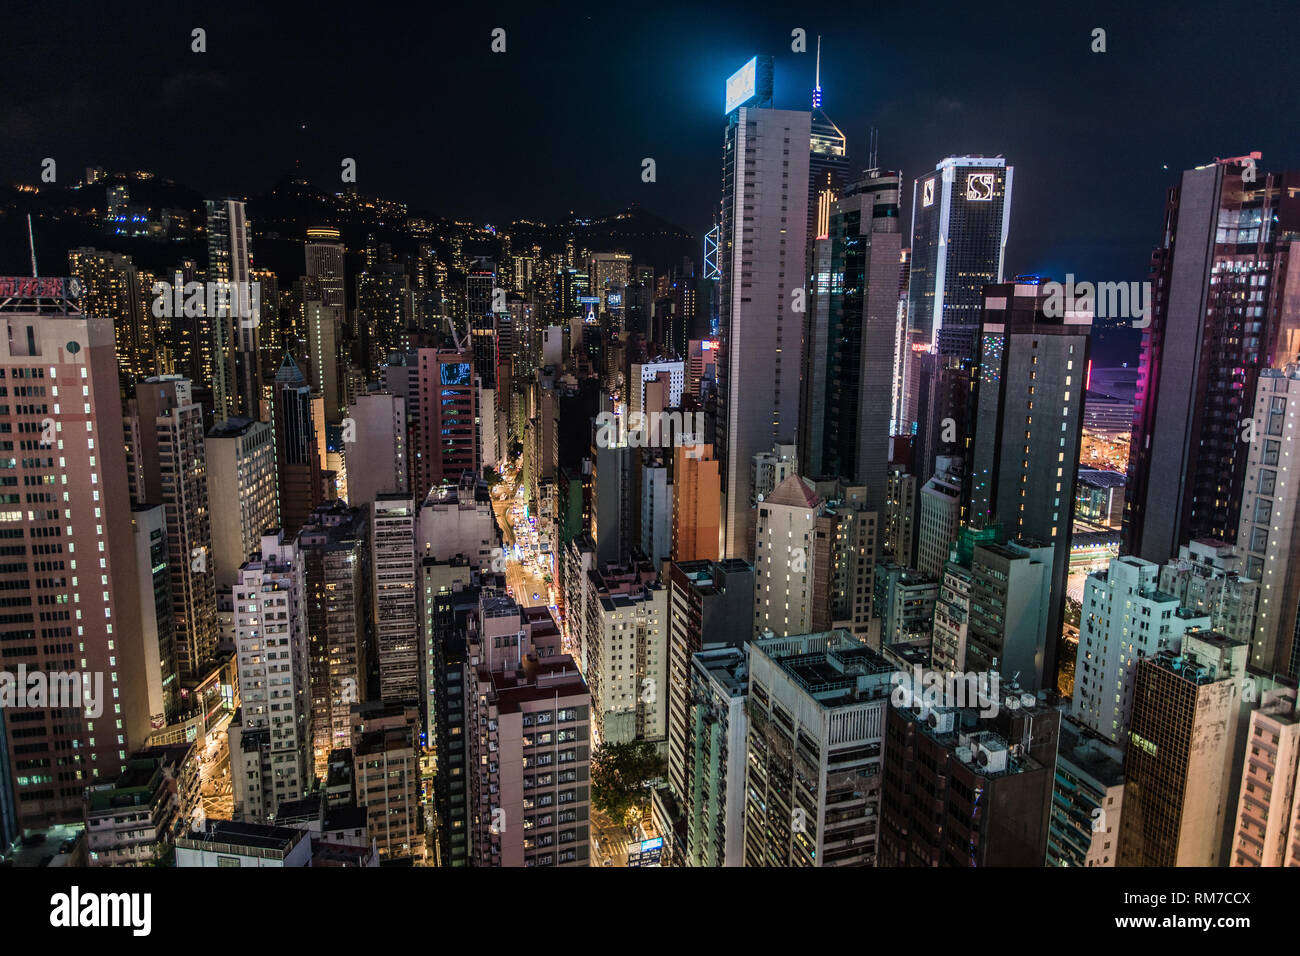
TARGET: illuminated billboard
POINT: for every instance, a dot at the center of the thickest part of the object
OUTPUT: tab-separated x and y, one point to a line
751	84
456	374
742	85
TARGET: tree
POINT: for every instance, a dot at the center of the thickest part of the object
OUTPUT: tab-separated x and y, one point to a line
619	775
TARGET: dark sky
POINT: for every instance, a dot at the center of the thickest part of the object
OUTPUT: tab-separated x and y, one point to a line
563	119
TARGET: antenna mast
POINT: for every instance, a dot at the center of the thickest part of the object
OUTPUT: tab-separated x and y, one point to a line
31	242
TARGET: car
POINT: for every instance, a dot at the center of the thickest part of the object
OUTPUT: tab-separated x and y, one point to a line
608	862
536	596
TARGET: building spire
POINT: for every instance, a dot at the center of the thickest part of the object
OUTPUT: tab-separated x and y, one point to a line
817	83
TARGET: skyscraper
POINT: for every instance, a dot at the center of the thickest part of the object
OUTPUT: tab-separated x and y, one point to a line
828	161
298	464
1223	308
1029	426
169	467
961	213
397	643
270	736
237	374
241	476
849	344
764	225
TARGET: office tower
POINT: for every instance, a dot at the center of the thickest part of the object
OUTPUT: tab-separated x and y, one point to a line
334	549
1087	801
1269	532
1124	617
270	736
446	443
79	536
952	607
241	478
377	456
1207	578
764	217
961	213
1222	309
828	161
903	600
1029	410
298	460
848	355
160	687
529	712
237	373
710	605
1178	801
386	758
458	521
111	288
940	519
626	634
1010	602
965	789
716	729
392	535
900	517
324	256
480	283
816	713
696	496
169	467
770	468
1268	814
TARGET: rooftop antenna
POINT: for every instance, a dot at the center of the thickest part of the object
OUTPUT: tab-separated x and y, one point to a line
875	141
817	83
31	242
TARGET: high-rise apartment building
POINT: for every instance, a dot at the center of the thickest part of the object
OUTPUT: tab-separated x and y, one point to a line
168	466
1207	577
962	788
714	764
111	288
710	605
816	713
333	545
270	736
1125	617
447	425
377	455
1087	800
626	634
397	641
241	477
1267	829
764	228
1269	530
697	484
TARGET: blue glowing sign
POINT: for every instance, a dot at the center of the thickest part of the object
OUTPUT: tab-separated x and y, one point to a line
742	85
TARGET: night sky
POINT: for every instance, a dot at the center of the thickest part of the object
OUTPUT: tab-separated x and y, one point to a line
562	120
